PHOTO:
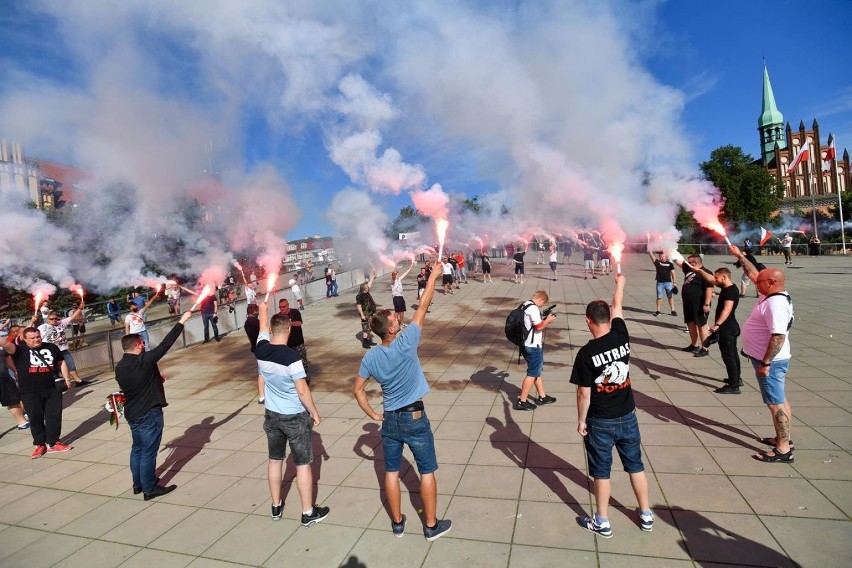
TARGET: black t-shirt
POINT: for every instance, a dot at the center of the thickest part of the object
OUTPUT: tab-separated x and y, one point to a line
694	285
664	270
730	326
421	281
588	253
603	365
207	305
296	338
37	368
519	257
252	327
486	264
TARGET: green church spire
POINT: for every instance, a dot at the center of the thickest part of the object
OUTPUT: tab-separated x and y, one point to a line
771	121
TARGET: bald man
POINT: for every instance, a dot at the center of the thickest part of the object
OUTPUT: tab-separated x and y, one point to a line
766	342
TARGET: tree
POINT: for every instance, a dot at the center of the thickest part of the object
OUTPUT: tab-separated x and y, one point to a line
408	220
846	199
750	192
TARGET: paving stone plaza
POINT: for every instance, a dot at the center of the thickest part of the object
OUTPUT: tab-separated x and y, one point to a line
513	482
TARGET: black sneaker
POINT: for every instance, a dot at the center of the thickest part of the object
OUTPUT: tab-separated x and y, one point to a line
318	514
365	344
546	399
701	353
440	529
398	528
656	314
691	349
589	524
674	313
277	510
727	389
159	491
524	405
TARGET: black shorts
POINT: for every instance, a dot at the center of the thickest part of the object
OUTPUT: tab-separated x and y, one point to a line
519	268
398	304
447	279
9	394
486	269
293	428
693	312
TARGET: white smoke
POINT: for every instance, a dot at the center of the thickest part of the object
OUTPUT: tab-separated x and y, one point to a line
546	102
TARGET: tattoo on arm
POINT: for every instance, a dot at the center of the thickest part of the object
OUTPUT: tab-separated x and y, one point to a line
776	342
749	268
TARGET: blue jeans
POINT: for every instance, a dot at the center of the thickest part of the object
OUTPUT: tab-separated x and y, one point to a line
147	433
664	289
400	428
207	319
603	434
144	335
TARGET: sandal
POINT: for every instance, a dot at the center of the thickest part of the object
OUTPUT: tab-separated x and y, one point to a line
775	457
771	442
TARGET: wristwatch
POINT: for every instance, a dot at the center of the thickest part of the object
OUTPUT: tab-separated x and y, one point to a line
762	364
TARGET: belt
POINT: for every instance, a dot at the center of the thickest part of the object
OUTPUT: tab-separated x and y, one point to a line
413	407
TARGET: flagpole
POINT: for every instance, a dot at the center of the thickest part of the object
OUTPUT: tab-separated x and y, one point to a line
842	230
813	200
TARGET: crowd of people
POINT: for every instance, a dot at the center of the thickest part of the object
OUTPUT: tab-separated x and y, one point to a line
38	367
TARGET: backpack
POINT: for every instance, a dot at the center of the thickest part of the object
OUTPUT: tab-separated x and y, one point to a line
516	331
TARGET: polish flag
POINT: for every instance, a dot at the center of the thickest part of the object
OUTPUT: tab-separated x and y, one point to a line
764	236
802	156
830	155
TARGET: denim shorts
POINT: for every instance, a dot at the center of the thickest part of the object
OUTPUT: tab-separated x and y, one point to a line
664	289
402	428
69	361
553	266
603	434
772	387
296	428
535	361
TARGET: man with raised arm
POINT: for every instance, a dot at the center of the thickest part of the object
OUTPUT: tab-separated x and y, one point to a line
606	413
766	342
396	367
139	377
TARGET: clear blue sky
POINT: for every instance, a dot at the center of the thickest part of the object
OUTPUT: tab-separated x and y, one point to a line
709	52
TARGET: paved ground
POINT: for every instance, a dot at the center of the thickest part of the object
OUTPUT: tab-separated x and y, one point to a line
513	482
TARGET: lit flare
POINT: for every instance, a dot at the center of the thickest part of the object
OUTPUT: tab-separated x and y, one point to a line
204	293
441	226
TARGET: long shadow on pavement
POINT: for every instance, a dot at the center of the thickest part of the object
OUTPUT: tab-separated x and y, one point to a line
709	544
182	449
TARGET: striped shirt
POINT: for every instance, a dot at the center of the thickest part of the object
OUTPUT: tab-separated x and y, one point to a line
280	366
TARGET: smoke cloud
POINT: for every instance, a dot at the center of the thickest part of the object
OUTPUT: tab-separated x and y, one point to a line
544	103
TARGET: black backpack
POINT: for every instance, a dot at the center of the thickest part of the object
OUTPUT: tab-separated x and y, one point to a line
516	331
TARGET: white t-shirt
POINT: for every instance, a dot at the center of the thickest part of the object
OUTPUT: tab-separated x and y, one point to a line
769	316
135	323
396	287
532	317
55	333
446	268
553	256
251	295
787	242
297	292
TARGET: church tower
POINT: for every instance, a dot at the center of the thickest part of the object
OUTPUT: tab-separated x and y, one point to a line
770	124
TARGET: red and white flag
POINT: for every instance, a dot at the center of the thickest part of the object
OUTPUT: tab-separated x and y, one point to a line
764	236
830	154
804	153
